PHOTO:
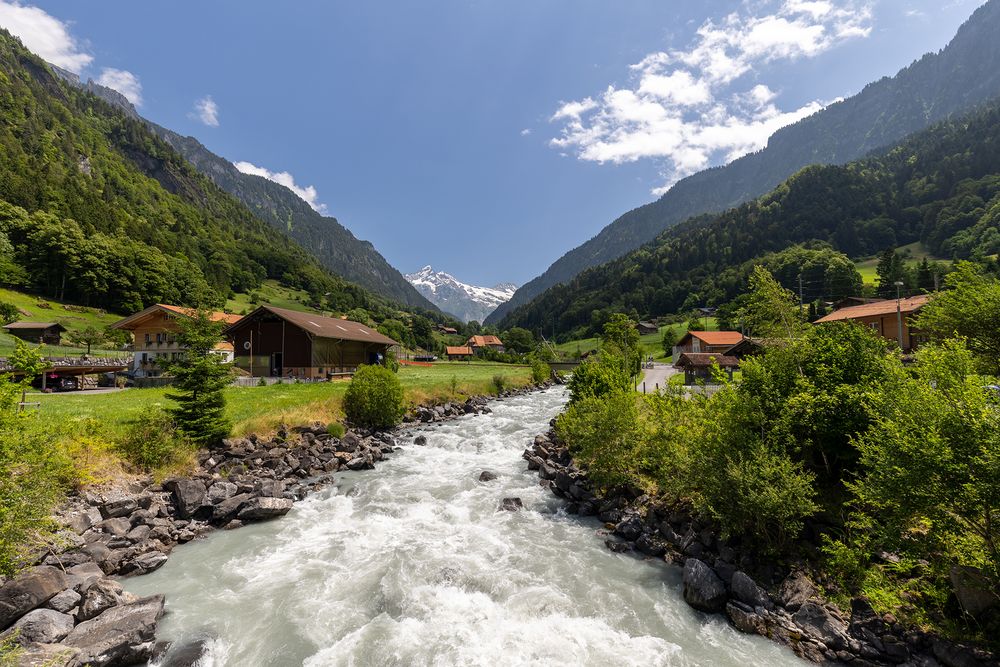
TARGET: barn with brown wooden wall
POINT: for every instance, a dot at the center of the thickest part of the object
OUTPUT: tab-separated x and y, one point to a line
277	342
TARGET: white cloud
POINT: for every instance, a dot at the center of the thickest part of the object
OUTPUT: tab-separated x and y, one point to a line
44	35
207	111
124	82
308	193
690	109
525	132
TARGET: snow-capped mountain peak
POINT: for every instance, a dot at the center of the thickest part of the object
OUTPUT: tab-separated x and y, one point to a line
464	301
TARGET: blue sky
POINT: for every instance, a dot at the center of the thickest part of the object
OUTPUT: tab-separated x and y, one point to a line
484	138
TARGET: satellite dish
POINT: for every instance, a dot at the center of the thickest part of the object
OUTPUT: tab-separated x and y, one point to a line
246	345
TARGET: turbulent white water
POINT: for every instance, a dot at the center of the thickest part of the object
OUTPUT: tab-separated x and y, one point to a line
412	564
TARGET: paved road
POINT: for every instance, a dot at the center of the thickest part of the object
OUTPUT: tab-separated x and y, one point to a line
658	374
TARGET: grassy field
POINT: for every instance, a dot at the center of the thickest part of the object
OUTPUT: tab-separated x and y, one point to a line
263	409
270	292
74	318
651	344
913	253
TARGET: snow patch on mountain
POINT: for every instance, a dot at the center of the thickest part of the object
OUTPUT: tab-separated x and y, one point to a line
464	301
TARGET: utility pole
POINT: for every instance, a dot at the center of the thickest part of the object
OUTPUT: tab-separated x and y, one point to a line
936	281
899	316
802	302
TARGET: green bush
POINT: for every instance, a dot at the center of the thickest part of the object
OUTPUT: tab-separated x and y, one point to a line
604	435
151	440
598	377
374	398
540	371
335	429
8	313
499	383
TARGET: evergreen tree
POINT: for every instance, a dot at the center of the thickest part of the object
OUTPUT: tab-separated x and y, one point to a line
890	270
925	277
200	376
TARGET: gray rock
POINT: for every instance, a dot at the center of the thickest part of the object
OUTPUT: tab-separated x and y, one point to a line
820	623
220	491
101	596
973	590
122	635
80	522
229	507
118	508
259	509
748	592
487	476
511	504
952	655
80	577
189	494
271	488
65	601
188	654
703	589
43	626
795	590
48	655
420	440
745	619
118	526
629	528
29	590
145	563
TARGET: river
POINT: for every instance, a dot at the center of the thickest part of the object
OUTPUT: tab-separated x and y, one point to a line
412	564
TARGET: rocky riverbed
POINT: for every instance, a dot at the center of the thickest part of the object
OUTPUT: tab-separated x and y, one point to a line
70	609
756	596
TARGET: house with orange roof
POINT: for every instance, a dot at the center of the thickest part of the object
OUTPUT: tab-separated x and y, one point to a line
459	352
154	337
706	342
890	318
480	344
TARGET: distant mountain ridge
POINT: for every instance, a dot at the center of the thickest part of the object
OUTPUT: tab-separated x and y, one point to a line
464	301
324	237
954	80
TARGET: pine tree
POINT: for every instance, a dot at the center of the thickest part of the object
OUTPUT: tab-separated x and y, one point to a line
200	376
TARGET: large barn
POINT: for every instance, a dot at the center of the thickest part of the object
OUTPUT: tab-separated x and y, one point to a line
277	342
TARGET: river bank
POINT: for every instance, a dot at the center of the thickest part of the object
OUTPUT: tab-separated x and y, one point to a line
67	610
757	596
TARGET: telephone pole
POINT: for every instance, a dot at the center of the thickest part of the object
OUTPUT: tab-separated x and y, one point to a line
802	302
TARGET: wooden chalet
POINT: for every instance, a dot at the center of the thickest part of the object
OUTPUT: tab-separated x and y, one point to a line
706	341
647	328
480	344
459	353
154	333
448	331
882	317
697	366
47	333
277	342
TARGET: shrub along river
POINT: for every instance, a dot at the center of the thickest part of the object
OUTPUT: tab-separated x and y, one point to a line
413	564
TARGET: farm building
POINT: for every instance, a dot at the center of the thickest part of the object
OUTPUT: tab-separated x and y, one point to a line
154	332
706	341
49	333
459	353
882	317
277	342
697	366
647	328
448	331
481	343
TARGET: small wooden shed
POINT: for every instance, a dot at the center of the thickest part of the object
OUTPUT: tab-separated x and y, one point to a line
459	353
49	333
697	366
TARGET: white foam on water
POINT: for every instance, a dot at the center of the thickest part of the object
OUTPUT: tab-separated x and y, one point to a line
413	564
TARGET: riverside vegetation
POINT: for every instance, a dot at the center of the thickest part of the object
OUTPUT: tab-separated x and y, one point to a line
882	479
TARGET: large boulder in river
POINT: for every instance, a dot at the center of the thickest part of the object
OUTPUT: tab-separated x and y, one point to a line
44	626
703	589
189	495
822	624
27	591
262	508
747	591
122	635
101	596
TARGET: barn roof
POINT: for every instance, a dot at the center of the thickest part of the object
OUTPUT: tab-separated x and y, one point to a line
716	337
706	359
34	325
887	307
131	321
459	350
483	341
320	325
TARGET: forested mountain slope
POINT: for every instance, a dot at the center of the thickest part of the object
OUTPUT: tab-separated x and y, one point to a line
940	187
955	80
95	208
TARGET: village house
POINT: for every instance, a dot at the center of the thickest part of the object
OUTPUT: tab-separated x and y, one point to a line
154	333
47	333
277	342
706	341
480	344
448	331
697	366
459	353
647	328
884	318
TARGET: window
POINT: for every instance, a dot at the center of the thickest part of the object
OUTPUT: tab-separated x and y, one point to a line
147	339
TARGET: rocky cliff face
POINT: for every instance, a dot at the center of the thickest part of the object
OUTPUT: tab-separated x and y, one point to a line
464	301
